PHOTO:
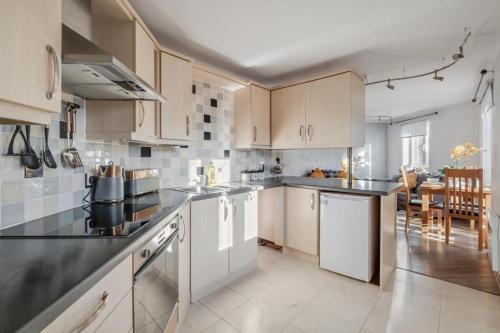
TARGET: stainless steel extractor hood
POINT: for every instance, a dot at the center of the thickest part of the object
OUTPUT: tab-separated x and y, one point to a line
91	73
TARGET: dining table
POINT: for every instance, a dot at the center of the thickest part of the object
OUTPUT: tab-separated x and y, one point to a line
429	189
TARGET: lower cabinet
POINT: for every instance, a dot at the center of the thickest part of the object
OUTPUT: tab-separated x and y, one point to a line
272	214
184	261
106	307
302	217
223	241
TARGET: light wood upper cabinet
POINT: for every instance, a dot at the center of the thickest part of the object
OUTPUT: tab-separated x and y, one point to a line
288	116
252	117
145	118
30	60
323	113
333	119
302	217
176	83
145	55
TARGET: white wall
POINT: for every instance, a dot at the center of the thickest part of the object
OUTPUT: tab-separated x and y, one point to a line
495	158
455	124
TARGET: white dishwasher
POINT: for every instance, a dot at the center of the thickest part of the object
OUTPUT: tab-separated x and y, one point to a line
348	234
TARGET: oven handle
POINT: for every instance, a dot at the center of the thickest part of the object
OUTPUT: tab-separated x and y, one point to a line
155	255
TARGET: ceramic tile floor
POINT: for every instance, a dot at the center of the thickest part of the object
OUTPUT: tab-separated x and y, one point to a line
289	295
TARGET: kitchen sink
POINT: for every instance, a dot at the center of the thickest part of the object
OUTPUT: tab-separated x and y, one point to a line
199	189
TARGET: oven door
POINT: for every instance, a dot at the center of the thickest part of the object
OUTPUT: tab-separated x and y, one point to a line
156	288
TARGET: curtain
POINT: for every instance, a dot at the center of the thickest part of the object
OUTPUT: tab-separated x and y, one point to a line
418	128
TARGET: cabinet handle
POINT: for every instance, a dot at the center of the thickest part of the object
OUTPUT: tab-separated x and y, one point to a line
254	134
143	114
188	125
313	200
234	207
309	132
225	211
181	219
85	322
301	133
55	79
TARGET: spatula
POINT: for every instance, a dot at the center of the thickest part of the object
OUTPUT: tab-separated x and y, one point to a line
48	158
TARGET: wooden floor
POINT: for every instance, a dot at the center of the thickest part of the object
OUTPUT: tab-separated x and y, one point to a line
458	262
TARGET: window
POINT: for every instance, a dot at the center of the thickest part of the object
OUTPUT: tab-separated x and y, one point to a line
486	136
414	144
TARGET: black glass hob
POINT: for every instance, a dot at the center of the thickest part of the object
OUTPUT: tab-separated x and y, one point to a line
120	219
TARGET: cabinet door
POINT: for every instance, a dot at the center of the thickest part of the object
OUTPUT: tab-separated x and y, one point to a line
210	241
176	83
145	55
272	215
288	117
302	220
145	118
328	111
120	320
260	101
30	51
184	261
244	237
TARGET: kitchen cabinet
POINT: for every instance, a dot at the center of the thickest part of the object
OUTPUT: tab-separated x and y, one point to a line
252	117
302	216
288	116
184	262
126	120
223	241
335	111
245	222
271	213
108	303
176	86
323	113
30	85
211	227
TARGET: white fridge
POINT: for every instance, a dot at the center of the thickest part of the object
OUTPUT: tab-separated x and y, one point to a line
349	234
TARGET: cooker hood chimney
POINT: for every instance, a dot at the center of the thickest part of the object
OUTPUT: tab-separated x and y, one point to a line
91	73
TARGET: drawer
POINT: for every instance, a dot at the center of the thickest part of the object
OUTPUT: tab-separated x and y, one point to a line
116	284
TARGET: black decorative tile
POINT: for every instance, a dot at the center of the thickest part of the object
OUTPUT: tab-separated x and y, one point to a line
62	130
207	136
206	118
193	89
145	151
227	153
213	102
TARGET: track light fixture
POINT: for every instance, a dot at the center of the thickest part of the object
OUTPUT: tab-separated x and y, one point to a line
438	78
389	85
455	57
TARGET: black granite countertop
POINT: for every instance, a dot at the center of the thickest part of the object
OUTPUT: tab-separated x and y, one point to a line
40	277
363	187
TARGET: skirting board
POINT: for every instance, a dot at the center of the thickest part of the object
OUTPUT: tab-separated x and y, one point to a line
196	295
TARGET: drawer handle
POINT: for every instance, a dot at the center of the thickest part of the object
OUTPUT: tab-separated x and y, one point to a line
188	126
55	79
225	211
254	134
85	322
313	200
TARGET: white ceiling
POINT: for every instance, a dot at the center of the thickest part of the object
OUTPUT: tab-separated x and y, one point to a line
272	41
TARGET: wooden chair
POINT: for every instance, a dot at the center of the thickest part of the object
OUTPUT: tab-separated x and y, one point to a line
415	205
464	196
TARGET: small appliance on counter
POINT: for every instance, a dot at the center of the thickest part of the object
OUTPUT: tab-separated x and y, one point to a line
141	181
107	186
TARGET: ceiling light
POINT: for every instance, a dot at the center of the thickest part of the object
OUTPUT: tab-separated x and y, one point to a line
459	55
438	78
389	85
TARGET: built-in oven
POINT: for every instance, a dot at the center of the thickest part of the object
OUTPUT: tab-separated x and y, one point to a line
156	290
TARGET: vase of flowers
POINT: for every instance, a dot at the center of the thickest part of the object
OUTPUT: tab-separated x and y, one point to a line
461	152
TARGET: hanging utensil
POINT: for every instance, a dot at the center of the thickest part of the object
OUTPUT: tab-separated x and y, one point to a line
48	158
67	155
30	148
74	151
28	157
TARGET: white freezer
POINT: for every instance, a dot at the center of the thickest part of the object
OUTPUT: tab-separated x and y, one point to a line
348	235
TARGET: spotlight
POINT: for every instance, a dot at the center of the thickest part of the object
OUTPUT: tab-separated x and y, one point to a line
459	55
389	85
438	78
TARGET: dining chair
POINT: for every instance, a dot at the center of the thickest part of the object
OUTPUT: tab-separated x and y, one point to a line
464	196
414	204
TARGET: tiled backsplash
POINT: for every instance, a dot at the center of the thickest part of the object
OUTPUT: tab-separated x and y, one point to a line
23	199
